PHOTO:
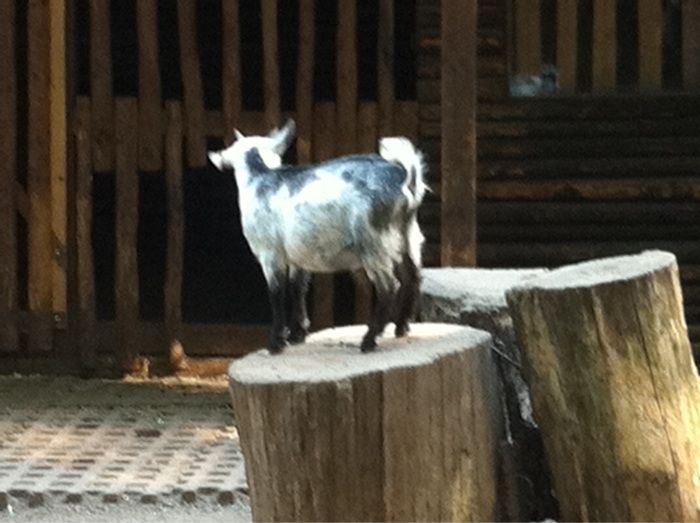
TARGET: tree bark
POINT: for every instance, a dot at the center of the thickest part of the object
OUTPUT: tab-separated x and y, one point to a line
408	433
614	387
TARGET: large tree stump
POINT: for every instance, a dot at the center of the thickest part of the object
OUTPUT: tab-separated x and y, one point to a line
614	387
407	433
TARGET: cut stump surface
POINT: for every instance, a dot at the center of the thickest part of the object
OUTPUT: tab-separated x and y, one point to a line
409	432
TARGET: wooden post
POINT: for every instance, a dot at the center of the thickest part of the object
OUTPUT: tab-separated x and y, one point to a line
604	45
101	86
176	221
87	320
126	280
192	90
330	434
458	91
150	106
346	77
231	67
567	44
691	45
8	179
271	73
385	67
614	387
650	21
528	37
305	81
40	244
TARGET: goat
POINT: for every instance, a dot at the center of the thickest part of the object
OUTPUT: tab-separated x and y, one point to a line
349	213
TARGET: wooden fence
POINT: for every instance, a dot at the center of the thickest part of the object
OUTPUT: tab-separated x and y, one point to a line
124	136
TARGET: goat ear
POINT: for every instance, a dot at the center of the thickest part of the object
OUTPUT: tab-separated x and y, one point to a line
238	134
283	137
217	160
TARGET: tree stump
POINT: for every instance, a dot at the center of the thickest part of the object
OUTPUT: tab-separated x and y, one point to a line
614	387
407	433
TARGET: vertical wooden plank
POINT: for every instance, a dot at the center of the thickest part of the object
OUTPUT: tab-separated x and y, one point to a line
8	177
324	148
385	67
150	110
271	74
567	44
57	160
528	37
126	288
101	86
650	21
604	45
346	77
192	89
40	245
458	91
691	44
305	80
85	268
176	220
231	67
406	119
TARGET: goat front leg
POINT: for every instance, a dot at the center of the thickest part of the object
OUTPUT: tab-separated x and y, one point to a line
385	285
298	317
277	283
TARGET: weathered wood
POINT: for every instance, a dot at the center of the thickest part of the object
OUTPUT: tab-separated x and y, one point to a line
567	44
271	73
150	106
528	37
9	340
126	282
604	45
231	72
406	120
346	77
525	231
85	268
614	387
458	153
324	146
691	45
176	220
404	412
101	86
385	67
58	158
40	244
650	19
192	89
305	81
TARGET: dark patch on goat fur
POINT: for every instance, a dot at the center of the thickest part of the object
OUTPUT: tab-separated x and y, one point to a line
294	177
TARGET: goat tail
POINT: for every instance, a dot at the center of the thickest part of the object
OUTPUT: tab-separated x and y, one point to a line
400	150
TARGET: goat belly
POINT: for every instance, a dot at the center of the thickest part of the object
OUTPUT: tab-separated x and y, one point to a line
326	255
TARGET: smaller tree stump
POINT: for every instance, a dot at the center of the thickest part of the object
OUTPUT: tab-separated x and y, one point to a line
407	433
614	387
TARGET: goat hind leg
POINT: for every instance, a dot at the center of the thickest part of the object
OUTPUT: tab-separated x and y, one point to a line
385	285
277	283
407	296
298	316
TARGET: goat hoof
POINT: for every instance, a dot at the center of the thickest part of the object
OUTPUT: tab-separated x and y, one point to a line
298	337
368	345
402	330
277	346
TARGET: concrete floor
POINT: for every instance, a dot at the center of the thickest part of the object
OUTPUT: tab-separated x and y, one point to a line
77	449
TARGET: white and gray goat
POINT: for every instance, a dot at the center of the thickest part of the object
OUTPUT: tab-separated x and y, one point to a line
349	213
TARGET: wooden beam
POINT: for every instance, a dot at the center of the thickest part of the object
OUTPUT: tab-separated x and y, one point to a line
271	74
231	72
58	156
192	89
604	45
101	86
40	244
458	211
150	105
528	37
85	267
346	77
305	81
9	340
126	282
691	45
567	44
176	221
650	21
385	67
